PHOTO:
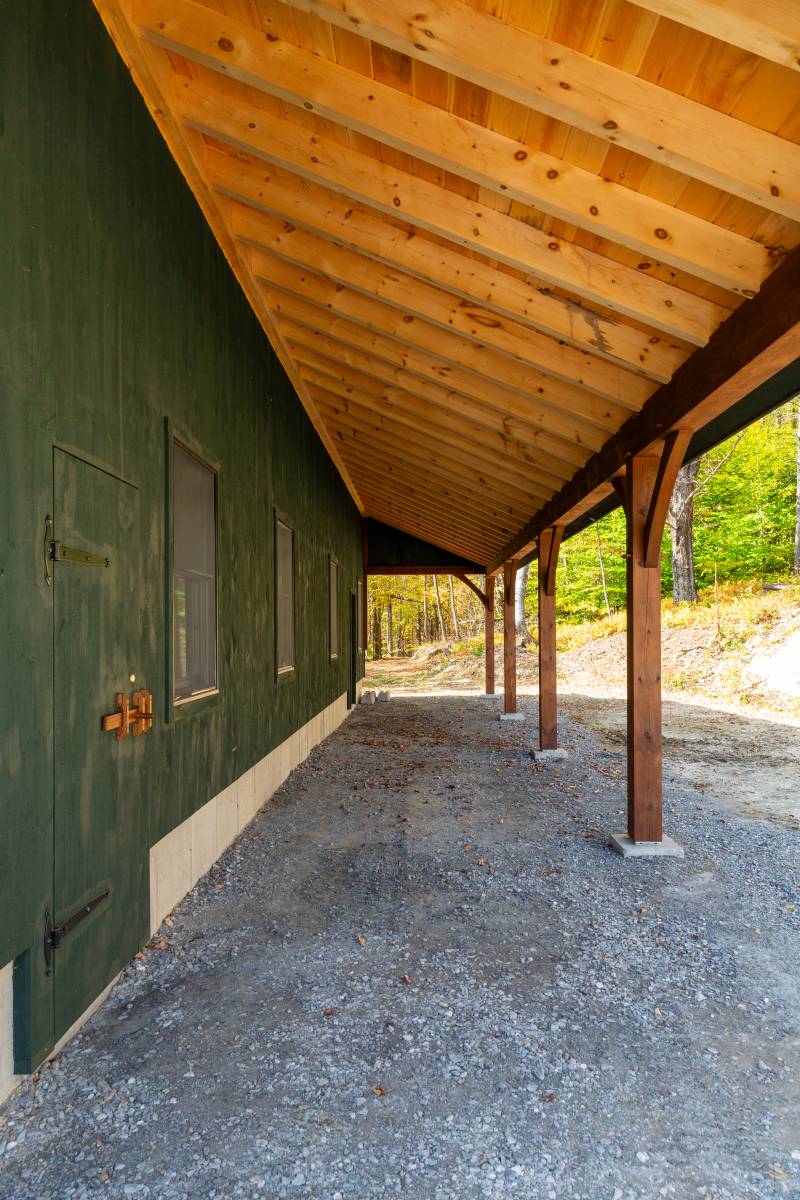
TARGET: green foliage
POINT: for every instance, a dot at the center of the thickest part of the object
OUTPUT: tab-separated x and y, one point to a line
744	523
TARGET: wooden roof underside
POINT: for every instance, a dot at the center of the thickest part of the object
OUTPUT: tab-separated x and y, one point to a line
482	236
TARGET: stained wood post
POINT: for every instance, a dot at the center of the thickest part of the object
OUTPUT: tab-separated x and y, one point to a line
649	481
549	543
365	594
489	624
509	639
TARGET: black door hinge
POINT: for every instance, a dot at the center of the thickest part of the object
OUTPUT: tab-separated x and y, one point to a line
55	934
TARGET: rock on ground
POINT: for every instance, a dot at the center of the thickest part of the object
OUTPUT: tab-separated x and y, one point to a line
421	971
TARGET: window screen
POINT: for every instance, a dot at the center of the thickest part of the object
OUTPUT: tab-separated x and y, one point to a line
194	577
333	608
284	609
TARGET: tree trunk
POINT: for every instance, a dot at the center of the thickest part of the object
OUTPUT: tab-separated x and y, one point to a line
520	620
425	630
377	619
602	568
681	525
797	503
442	636
456	627
389	630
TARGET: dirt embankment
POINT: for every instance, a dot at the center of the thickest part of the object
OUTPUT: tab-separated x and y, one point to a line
731	713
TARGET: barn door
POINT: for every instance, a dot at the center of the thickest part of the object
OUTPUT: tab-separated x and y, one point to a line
100	822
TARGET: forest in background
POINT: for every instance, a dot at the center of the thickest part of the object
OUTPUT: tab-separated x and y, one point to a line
735	512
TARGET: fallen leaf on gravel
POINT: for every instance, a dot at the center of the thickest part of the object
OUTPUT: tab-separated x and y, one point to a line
159	944
467	845
778	1173
547	1097
104	1175
380	1092
139	954
480	862
406	979
362	941
329	1012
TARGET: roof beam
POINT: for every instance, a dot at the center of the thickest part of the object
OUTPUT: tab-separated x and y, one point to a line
487	158
469	319
493	234
602	100
331	215
439	519
515	462
758	340
280	276
408	494
487	423
541	402
445	505
426	450
769	28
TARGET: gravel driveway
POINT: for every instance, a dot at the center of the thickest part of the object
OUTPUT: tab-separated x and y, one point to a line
420	971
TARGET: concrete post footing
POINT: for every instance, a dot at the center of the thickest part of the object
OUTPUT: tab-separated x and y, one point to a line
545	756
512	716
624	844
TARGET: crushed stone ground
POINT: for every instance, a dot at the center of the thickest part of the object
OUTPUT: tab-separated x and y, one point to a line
420	971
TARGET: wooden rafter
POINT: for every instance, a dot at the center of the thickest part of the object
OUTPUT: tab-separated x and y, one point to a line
422	411
485	254
406	418
384	317
333	356
769	28
529	396
521	343
363	427
572	87
323	211
473	152
550	258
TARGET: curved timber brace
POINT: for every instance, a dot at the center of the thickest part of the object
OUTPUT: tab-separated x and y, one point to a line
549	545
646	491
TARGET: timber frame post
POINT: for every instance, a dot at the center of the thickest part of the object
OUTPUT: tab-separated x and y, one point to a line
647	488
549	544
489	626
509	639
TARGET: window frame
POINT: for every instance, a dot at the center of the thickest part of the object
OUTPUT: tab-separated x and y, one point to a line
283	674
173	441
333	606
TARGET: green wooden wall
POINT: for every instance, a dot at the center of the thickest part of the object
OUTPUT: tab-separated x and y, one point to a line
119	314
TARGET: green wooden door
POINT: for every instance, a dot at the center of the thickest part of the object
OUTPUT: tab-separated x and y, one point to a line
99	793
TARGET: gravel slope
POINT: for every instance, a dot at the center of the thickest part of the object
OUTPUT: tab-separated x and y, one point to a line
421	971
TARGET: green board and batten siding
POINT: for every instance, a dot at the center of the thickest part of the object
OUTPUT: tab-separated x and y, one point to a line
121	320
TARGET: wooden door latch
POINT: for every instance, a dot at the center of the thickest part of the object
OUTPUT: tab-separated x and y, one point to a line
135	716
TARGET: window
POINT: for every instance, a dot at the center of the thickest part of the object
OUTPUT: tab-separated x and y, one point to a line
333	608
194	575
284	609
359	617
